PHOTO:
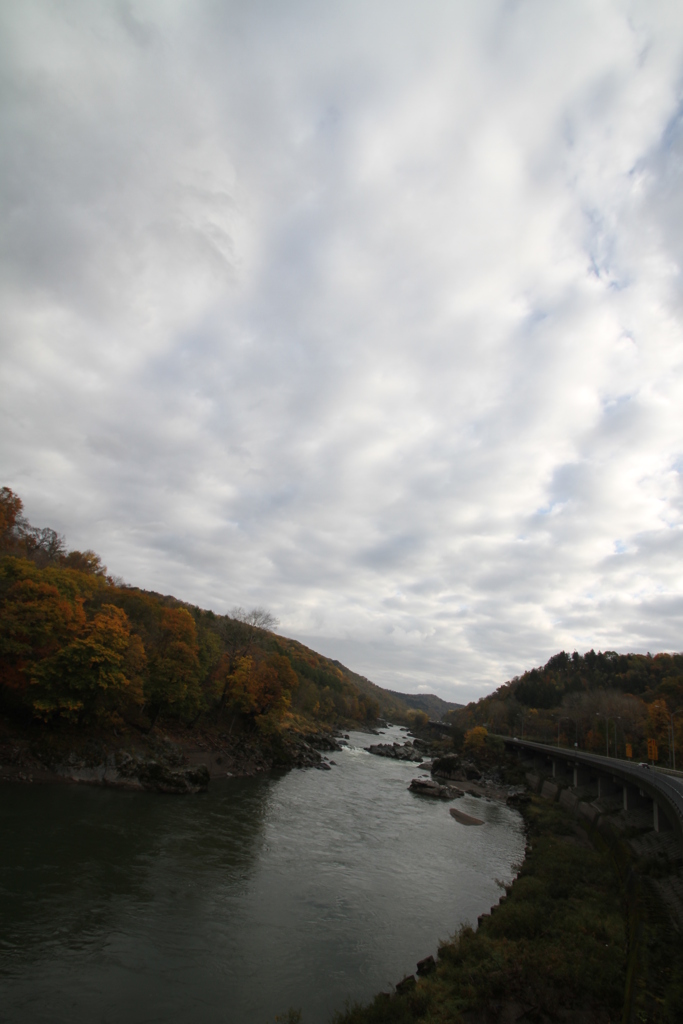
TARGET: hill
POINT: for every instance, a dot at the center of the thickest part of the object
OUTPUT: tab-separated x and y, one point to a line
605	701
84	653
432	705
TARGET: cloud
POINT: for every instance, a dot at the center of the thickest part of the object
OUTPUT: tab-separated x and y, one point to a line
368	315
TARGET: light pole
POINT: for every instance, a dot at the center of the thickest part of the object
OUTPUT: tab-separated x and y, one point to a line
598	715
673	736
576	730
560	719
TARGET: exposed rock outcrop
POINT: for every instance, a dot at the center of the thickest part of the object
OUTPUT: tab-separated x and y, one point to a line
130	771
453	767
399	751
427	787
322	741
448	767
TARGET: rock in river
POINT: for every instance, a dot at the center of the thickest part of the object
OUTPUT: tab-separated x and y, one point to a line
399	751
465	819
427	787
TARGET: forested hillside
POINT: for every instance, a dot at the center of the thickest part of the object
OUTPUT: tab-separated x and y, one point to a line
434	707
601	701
79	646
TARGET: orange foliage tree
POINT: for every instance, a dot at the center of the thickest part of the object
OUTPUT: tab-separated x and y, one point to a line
76	644
94	675
259	688
174	669
36	622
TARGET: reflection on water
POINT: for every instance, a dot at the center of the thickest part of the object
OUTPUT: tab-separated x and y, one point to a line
231	906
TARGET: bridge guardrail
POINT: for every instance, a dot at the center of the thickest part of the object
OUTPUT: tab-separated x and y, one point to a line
577	750
659	785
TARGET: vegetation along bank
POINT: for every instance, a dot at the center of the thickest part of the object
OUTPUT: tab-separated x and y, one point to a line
588	932
105	682
108	683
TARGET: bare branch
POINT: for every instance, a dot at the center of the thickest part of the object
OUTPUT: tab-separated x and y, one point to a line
258	617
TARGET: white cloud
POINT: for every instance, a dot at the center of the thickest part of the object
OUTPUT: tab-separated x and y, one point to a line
370	314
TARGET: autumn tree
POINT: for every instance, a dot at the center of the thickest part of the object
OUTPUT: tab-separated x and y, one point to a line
174	669
36	622
43	546
241	635
418	720
11	508
264	687
94	677
84	561
475	740
259	618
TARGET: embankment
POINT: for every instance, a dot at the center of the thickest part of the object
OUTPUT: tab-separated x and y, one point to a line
582	935
180	762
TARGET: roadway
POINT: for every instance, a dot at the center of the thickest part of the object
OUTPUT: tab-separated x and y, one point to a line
662	786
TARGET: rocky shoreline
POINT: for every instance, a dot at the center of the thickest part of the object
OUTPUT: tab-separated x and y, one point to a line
450	768
157	762
412	750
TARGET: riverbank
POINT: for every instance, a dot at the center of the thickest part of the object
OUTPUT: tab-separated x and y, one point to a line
554	948
585	933
168	760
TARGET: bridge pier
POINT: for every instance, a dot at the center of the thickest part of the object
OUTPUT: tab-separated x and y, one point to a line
608	787
661	822
582	776
560	768
634	798
618	784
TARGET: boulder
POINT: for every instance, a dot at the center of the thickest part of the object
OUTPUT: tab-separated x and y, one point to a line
549	790
399	751
426	966
427	787
446	767
464	819
406	984
517	796
322	741
381	750
162	778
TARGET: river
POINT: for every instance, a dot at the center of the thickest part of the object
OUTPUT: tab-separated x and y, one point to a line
301	890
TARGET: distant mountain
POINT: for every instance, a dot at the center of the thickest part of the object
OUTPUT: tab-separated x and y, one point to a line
434	706
392	706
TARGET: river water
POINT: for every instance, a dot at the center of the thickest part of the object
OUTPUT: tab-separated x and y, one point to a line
228	908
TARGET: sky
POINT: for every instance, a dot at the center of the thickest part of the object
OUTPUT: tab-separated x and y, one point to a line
368	313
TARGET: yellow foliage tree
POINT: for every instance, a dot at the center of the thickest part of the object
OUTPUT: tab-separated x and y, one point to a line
91	675
475	739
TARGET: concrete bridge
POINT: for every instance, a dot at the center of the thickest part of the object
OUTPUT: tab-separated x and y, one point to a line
655	790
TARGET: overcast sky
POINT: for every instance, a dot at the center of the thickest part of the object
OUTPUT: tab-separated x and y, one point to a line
367	312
